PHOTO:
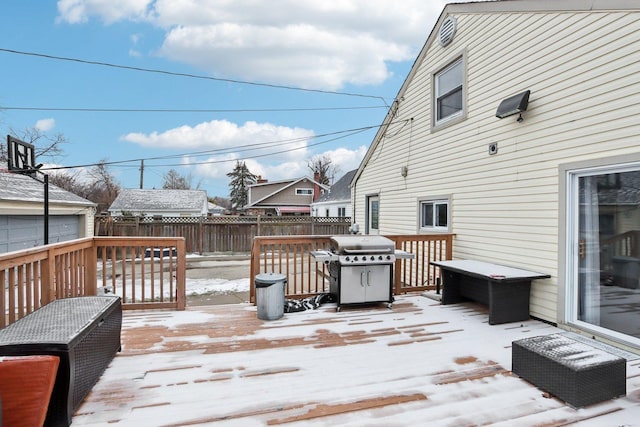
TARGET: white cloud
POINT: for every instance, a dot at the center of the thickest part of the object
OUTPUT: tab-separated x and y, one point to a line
321	44
110	11
251	136
45	125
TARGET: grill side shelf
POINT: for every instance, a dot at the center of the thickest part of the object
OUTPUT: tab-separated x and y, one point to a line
324	256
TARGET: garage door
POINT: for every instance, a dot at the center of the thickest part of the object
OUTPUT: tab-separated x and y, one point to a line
27	231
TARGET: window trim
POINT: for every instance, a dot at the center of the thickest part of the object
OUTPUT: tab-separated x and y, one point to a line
434	200
462	114
304	191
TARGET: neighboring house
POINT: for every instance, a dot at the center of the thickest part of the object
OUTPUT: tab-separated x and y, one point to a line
553	189
215	210
285	197
22	213
337	201
160	203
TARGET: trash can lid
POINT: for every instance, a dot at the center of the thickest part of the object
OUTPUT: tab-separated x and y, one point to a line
267	279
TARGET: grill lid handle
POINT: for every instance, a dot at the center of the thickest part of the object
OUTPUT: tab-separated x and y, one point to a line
367	251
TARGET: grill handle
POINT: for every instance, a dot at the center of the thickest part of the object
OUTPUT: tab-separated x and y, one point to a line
367	251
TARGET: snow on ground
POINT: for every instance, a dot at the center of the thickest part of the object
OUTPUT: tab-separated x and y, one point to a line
211	286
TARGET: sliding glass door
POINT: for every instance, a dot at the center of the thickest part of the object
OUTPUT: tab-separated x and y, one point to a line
604	240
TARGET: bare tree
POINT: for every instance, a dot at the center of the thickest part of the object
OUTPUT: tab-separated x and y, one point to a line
46	146
173	180
324	168
69	182
104	188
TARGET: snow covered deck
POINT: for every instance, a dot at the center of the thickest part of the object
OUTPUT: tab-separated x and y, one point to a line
420	363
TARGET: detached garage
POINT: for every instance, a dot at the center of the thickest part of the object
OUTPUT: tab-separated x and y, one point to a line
22	214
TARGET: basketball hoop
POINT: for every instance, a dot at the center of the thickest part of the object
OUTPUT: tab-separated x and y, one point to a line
21	155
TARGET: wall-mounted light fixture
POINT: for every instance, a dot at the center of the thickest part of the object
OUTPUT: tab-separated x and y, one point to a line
514	105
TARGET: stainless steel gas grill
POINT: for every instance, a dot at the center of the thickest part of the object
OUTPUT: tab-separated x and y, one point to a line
361	268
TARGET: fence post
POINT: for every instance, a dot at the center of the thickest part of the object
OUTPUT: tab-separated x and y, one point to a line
201	235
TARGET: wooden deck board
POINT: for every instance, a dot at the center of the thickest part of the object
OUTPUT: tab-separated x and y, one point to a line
418	364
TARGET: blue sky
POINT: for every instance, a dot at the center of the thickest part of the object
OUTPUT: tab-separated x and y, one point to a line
334	49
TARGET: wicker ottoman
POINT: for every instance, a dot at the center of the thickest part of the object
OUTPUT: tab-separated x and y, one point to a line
572	371
83	332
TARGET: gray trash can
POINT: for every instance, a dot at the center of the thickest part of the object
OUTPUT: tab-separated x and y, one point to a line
270	295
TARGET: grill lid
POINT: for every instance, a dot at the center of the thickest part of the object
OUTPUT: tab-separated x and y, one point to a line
350	244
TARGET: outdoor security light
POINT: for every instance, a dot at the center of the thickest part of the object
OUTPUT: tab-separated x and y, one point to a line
513	105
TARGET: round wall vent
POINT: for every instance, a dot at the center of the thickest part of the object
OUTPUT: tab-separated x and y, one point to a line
447	31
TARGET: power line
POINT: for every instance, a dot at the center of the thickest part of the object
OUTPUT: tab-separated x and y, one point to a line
226	150
191	110
189	75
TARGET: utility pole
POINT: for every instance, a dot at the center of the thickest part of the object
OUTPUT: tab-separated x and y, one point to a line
141	174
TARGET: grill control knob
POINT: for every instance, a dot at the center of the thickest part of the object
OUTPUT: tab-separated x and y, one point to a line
372	258
355	258
346	259
380	257
389	257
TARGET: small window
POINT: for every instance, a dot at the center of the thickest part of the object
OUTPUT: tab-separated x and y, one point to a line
448	92
434	215
342	212
304	191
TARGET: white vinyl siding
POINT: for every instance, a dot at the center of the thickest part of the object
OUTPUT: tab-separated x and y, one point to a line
581	69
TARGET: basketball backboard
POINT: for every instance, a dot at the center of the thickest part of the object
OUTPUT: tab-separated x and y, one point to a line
21	155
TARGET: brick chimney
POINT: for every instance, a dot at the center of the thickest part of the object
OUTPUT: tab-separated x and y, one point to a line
261	180
316	187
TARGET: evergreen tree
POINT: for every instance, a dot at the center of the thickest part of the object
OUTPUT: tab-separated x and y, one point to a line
241	179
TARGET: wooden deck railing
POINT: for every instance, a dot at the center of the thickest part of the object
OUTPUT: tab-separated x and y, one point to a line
32	278
290	255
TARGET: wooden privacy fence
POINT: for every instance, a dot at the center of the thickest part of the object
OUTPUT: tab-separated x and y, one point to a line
30	279
220	233
306	277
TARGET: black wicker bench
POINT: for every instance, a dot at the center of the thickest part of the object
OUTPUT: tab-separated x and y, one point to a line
572	371
84	332
504	289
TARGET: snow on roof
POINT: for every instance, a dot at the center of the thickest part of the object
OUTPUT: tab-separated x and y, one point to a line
23	188
136	200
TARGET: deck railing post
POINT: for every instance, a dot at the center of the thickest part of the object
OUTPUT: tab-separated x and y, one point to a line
181	274
47	280
91	267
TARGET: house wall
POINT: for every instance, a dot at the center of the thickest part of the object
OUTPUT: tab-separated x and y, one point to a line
320	209
286	196
582	70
